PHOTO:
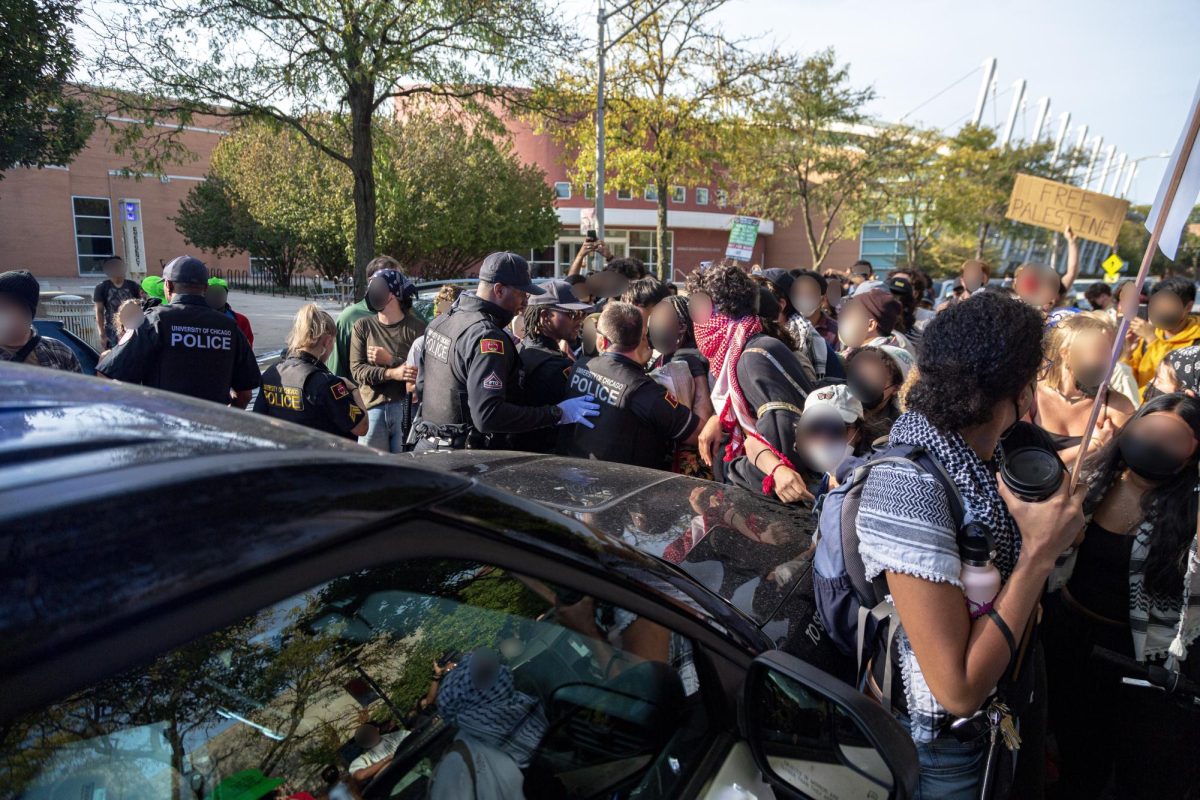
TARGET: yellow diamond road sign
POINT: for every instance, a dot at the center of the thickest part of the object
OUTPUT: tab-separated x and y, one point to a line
1113	264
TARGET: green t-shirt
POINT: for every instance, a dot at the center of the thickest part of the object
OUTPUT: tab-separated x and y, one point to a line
339	359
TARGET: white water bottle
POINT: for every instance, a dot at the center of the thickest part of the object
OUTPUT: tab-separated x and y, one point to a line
980	578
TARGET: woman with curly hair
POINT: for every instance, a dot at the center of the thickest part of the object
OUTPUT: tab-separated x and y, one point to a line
976	377
758	387
684	371
1128	588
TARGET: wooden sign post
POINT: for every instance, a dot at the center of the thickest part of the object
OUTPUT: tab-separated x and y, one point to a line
1047	204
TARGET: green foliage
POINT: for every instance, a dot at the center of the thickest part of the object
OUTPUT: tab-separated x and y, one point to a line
328	71
674	87
41	124
1133	238
807	152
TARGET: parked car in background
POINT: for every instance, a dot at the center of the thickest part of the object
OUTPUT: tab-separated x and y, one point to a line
54	329
198	602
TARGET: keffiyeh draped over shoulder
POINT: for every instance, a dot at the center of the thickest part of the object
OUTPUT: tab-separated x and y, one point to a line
478	696
722	339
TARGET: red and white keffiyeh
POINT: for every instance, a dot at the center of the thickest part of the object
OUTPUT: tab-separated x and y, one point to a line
722	339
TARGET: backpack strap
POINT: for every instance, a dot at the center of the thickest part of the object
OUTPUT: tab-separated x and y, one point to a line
929	463
22	354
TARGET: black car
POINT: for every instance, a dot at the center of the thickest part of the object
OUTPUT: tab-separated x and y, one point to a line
203	603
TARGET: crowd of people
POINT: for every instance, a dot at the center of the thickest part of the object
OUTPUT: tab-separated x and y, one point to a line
781	382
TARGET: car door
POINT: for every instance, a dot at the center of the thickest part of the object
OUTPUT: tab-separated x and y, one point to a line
306	677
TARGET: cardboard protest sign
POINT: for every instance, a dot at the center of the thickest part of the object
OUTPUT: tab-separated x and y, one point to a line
1048	204
742	236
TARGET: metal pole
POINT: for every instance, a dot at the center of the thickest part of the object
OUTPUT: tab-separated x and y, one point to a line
1062	135
1040	121
1133	168
1018	96
1091	167
1108	159
600	20
1117	170
989	73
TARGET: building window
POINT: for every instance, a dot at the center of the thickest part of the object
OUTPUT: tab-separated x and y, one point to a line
702	196
722	198
678	194
651	194
541	262
624	194
93	233
643	245
260	265
882	243
562	190
589	191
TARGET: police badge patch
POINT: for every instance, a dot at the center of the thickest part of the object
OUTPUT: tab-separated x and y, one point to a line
339	390
491	346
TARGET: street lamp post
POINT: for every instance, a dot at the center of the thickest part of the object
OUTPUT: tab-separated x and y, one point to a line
602	48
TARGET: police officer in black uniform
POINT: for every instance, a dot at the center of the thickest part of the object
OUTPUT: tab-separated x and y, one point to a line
186	346
557	315
301	389
640	421
470	377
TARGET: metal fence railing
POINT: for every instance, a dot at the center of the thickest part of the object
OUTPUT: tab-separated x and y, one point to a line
310	286
77	314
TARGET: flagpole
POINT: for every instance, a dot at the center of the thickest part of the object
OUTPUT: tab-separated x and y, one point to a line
1131	304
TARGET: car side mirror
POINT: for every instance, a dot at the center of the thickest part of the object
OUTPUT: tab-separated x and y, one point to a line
815	736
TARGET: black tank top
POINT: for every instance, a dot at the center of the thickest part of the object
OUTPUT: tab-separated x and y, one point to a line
1100	581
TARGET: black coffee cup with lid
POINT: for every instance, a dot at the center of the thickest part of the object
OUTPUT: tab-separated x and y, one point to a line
1032	468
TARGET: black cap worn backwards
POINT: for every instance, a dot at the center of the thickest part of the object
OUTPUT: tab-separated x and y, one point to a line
185	269
509	269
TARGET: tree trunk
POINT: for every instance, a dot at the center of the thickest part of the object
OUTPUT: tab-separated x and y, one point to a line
663	254
362	164
983	232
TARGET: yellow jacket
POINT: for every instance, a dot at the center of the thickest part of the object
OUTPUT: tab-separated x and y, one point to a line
1146	356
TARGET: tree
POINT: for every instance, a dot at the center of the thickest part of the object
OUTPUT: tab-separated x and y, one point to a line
324	70
40	123
450	194
674	86
808	152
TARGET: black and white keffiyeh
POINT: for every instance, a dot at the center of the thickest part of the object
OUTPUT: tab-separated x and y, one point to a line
497	713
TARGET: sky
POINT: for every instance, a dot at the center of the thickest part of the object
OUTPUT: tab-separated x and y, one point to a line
1126	70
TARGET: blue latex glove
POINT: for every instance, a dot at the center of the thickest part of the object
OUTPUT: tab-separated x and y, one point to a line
578	409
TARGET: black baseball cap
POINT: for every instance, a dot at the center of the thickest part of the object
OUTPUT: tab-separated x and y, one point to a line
781	279
559	296
900	285
509	269
185	269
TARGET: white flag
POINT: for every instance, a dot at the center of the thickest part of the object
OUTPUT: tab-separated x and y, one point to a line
1185	196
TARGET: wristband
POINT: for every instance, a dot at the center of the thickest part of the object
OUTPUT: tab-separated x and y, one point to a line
1009	639
768	484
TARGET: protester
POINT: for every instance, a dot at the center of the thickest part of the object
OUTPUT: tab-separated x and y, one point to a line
809	297
19	342
551	319
497	731
758	385
1127	588
645	294
586	254
129	317
901	287
974	275
861	272
1099	296
640	421
807	287
377	751
1178	372
470	382
108	296
683	370
378	349
1170	327
771	310
339	359
301	389
971	387
152	287
1040	285
218	300
837	289
875	376
869	319
587	338
831	429
185	346
1078	350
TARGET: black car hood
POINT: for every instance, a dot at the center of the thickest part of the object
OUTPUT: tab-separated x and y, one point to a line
728	539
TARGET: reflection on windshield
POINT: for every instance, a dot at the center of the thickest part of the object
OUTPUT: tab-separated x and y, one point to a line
403	674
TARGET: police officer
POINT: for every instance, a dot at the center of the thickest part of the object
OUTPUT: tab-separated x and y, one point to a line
186	346
301	389
470	376
640	422
557	315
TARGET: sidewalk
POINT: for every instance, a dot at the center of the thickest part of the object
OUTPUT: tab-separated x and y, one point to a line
270	315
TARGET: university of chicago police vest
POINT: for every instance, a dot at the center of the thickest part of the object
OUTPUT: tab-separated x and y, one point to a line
444	400
283	391
619	435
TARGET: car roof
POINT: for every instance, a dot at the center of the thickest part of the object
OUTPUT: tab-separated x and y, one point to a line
659	513
116	500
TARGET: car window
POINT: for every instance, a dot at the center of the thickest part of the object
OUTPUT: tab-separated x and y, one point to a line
431	678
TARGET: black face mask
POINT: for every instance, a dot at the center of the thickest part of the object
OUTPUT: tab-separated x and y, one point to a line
377	297
870	395
1151	392
1089	378
664	340
1147	459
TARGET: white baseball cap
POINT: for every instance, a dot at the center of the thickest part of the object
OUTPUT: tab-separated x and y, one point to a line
832	401
902	357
